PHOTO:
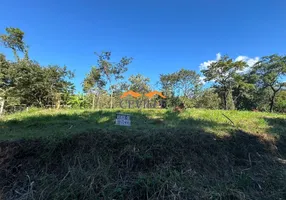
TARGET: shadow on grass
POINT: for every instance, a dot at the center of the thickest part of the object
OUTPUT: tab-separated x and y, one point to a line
278	125
167	161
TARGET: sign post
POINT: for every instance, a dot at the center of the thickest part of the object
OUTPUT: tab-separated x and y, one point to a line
123	119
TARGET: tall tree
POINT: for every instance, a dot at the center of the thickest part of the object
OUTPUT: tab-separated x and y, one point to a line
112	71
168	84
244	92
56	82
188	82
93	84
5	81
7	85
223	73
139	83
269	73
27	81
181	86
38	85
14	40
5	72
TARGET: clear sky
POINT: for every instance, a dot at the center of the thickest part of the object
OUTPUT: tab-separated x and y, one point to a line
161	35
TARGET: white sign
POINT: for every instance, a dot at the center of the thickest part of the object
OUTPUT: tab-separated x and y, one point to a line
123	119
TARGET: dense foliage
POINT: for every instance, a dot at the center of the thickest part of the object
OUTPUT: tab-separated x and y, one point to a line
231	84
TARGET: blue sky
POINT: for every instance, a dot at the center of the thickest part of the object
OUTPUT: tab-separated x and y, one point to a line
161	36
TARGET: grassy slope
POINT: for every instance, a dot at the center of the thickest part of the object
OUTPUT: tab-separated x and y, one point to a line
197	154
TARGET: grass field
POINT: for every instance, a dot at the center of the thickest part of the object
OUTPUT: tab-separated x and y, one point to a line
196	154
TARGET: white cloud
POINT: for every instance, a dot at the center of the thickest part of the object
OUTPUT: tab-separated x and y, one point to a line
218	56
250	61
202	79
240	58
205	65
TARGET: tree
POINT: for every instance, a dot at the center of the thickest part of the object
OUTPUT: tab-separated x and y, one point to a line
14	40
55	79
27	82
280	105
168	87
269	73
188	82
93	84
112	71
5	72
244	92
223	72
209	100
168	84
184	83
139	83
6	84
37	85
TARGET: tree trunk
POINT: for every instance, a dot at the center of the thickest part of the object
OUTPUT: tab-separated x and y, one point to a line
235	100
1	105
111	97
272	102
98	101
225	100
58	104
16	55
93	101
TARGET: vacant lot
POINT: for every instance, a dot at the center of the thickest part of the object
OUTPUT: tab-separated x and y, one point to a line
197	154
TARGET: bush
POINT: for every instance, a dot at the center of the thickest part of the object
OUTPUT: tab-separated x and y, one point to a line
209	100
280	105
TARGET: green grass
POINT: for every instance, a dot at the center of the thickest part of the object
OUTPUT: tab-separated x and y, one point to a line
58	123
196	154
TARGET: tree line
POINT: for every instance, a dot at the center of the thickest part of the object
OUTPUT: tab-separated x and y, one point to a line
224	84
